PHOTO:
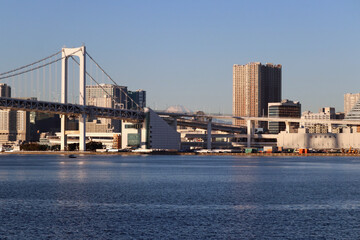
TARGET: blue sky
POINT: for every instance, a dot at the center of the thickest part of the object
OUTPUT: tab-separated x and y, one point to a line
182	52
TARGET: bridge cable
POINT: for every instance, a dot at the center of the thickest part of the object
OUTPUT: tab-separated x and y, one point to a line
29	70
38	67
127	95
96	82
14	70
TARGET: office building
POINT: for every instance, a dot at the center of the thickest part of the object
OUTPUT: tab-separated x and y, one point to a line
323	114
14	125
109	96
326	113
154	133
254	86
350	99
138	99
285	108
110	91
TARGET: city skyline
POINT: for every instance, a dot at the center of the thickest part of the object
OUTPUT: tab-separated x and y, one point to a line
182	53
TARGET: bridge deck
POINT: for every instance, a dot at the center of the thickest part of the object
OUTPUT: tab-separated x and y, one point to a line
70	109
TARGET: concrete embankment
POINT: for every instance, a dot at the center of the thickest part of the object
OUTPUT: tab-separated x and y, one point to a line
186	153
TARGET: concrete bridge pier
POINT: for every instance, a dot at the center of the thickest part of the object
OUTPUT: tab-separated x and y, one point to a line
209	133
250	131
63	136
174	124
329	128
287	129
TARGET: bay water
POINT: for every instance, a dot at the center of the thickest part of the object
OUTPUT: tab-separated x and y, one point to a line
179	197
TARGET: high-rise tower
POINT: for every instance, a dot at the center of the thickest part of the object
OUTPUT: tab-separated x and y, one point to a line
5	90
254	86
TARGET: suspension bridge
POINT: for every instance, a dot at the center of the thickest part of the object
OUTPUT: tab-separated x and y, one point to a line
49	85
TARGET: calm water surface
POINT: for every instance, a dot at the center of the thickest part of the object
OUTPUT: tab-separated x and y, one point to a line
179	197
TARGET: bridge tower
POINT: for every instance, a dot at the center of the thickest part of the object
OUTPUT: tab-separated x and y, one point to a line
66	53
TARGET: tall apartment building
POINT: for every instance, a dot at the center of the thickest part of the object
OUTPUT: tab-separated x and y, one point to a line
350	99
254	86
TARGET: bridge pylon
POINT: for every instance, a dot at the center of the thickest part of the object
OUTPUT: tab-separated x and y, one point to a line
81	53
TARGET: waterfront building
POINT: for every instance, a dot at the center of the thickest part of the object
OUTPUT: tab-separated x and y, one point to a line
254	86
109	96
348	138
285	108
325	113
14	125
350	99
339	115
153	133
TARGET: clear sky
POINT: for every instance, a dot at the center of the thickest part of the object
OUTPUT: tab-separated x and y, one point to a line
182	52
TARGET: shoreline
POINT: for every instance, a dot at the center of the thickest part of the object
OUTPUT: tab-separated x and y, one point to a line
184	153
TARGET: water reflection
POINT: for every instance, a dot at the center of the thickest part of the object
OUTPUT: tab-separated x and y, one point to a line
182	197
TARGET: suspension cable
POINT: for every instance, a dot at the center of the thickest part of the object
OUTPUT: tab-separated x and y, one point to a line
34	68
127	95
29	70
112	97
14	70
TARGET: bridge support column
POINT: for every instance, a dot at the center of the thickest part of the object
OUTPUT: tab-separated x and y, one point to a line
82	99
329	128
250	132
63	145
64	90
209	134
287	129
82	134
174	124
66	53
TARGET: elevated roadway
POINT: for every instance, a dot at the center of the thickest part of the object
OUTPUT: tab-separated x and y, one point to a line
70	109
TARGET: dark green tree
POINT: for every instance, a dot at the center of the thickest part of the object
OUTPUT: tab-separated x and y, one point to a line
33	147
92	146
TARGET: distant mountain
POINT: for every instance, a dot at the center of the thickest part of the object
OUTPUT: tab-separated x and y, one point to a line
177	109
